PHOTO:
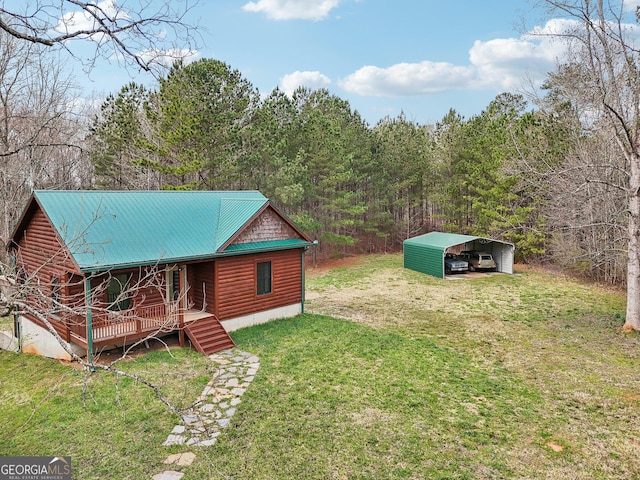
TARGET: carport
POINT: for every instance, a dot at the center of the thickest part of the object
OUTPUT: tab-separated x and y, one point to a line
425	253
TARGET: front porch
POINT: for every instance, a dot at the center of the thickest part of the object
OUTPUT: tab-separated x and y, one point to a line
127	326
115	329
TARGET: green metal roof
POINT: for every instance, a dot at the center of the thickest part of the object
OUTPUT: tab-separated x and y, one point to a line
108	229
266	246
441	239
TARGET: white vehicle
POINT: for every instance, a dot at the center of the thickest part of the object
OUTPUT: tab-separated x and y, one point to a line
479	260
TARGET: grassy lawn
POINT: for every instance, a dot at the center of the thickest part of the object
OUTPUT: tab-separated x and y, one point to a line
389	374
6	323
111	427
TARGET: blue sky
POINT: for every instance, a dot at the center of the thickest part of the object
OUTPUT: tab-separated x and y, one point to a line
420	57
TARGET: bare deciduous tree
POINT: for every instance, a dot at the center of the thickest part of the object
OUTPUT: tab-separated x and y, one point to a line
601	36
587	212
40	295
41	128
142	33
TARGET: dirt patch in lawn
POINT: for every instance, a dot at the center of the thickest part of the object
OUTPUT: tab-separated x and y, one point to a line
329	264
389	297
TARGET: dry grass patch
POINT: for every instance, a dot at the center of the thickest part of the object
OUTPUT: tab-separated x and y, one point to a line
558	335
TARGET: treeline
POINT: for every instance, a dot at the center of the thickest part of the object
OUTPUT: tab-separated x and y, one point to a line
535	174
351	186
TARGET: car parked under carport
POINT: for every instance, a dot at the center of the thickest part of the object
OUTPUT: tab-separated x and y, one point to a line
479	261
454	264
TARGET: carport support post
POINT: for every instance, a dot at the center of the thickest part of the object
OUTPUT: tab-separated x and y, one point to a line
87	298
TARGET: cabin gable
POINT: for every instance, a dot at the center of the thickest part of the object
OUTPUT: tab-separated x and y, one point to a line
267	226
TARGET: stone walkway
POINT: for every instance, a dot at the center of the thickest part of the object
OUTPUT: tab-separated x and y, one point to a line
213	409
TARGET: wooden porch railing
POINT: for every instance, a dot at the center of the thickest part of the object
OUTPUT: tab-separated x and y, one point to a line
120	324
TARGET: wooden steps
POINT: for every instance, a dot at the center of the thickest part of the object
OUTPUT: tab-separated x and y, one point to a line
208	336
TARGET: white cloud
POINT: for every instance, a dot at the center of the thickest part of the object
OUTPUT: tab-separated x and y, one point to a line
555	26
501	64
292	9
631	5
567	28
312	80
407	79
77	21
505	63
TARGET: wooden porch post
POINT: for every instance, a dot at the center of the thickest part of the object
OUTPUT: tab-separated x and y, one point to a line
89	322
182	302
65	315
302	286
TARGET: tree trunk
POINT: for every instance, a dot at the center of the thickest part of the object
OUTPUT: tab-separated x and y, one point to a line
632	321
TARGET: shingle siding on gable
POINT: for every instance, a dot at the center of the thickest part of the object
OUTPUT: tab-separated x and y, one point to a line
268	226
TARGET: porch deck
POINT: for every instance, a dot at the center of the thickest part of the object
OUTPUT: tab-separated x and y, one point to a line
131	325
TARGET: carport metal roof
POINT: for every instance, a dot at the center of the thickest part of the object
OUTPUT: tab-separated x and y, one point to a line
445	240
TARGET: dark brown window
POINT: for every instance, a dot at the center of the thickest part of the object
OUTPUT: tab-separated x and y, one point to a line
264	278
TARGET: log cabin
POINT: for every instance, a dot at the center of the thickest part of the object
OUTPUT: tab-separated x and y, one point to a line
111	268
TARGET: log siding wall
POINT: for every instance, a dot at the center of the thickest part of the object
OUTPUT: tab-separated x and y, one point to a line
40	250
146	287
41	258
198	275
236	293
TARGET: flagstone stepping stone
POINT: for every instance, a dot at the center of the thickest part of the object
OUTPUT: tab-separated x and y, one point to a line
180	459
168	475
173	440
200	425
